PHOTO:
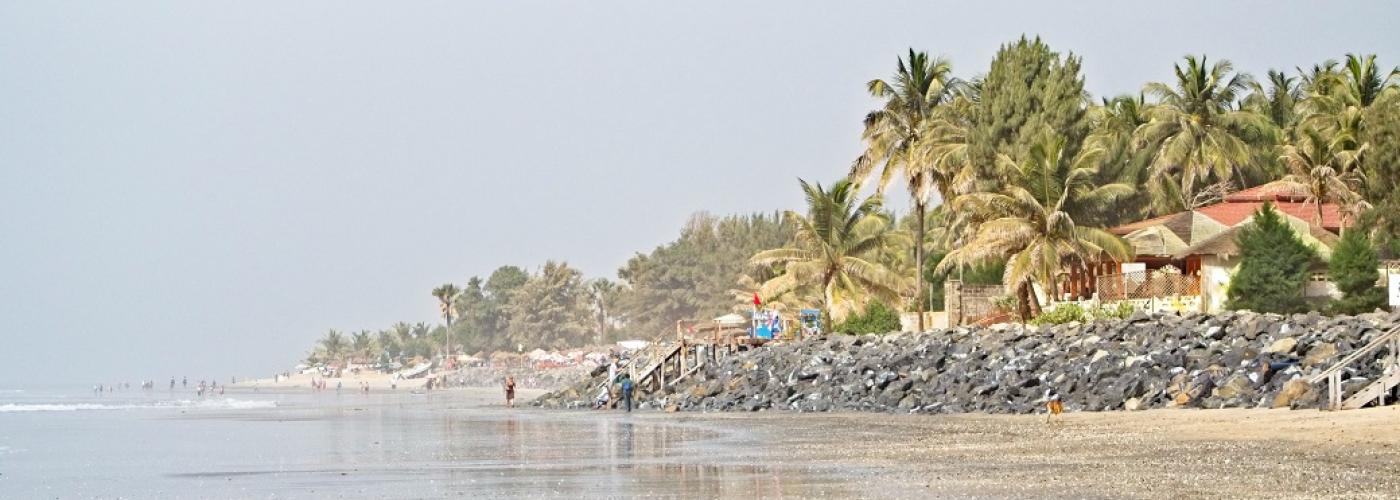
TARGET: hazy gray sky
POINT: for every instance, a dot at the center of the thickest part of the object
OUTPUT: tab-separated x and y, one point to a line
202	189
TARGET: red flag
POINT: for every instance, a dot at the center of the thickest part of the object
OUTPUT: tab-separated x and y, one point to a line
755	299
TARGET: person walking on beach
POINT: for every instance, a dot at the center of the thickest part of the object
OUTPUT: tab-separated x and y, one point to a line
184	382
172	383
510	391
627	392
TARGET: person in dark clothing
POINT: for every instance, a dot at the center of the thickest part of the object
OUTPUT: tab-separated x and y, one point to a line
510	392
627	391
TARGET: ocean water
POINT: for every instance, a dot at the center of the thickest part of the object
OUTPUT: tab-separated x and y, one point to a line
303	444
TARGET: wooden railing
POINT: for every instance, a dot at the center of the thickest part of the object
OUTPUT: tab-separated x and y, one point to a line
1333	374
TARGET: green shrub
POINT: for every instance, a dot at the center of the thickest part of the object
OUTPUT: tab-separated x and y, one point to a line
1063	313
1120	310
1274	266
1355	270
876	318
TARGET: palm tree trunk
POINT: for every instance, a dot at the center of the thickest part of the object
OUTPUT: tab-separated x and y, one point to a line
1023	302
919	210
447	338
1032	300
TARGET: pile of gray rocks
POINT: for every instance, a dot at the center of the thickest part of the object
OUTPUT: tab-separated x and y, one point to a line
1231	359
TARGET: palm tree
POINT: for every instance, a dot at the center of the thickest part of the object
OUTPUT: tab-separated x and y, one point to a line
1324	168
604	294
1122	159
388	343
447	299
895	137
1200	132
333	345
1278	102
361	344
1340	97
1030	222
831	250
1361	83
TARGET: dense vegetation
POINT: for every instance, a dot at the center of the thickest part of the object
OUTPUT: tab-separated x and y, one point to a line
1274	266
1013	171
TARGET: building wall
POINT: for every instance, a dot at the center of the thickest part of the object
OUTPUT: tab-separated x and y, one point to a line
966	304
1215	281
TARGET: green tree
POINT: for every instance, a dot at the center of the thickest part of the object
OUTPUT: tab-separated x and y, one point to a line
1028	91
550	309
1278	102
1274	266
1200	132
333	347
876	318
896	135
1123	159
1030	223
692	276
361	343
1323	170
447	297
603	295
1381	163
1355	269
388	344
831	251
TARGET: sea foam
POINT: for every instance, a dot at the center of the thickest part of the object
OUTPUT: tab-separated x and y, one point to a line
215	404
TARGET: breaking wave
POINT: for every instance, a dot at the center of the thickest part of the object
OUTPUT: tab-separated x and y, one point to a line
214	404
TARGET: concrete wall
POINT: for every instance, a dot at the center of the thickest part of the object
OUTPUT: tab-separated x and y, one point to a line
968	303
909	321
1215	281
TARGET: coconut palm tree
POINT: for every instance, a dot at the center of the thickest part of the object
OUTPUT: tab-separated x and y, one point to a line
361	343
603	295
333	346
831	252
1360	83
1325	169
1340	97
387	342
1279	101
1122	159
895	137
1201	134
447	300
1030	222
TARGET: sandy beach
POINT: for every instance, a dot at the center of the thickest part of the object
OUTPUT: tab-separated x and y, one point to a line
376	381
296	443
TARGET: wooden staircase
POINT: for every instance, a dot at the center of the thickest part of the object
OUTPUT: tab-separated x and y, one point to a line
1376	390
656	371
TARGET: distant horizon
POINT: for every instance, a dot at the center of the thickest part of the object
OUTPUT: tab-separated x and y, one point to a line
205	190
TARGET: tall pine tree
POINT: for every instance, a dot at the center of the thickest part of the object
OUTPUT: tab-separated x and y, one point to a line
1274	266
1355	269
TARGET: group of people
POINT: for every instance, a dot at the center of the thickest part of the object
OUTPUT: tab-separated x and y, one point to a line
201	389
211	387
615	386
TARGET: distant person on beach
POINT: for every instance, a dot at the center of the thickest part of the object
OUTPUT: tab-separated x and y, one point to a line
627	392
510	391
184	382
172	383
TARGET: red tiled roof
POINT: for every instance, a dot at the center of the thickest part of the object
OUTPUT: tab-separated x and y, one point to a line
1134	226
1274	191
1233	213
